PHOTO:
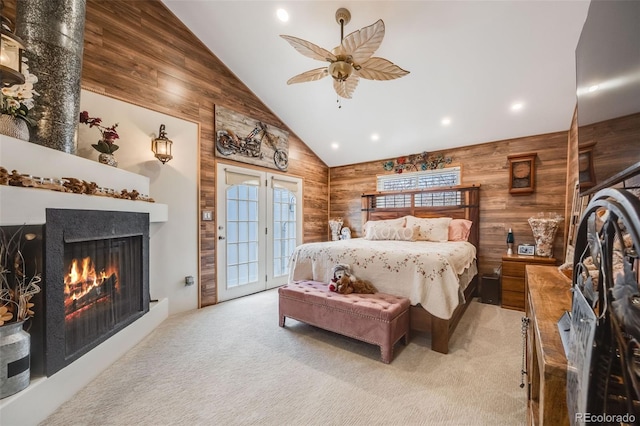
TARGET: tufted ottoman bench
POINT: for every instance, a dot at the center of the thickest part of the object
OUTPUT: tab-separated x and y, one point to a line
380	319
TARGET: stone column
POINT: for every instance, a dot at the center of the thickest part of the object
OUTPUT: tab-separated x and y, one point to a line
53	31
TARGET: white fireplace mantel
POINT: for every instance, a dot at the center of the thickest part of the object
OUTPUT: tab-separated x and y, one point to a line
27	205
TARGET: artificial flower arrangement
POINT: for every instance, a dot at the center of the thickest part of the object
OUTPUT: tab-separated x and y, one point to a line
417	162
17	100
16	289
109	134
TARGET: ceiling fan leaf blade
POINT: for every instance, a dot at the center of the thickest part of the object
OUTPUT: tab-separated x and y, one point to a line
380	69
346	88
339	51
309	49
311	75
363	43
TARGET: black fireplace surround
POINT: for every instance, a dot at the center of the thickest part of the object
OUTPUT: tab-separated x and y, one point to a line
74	233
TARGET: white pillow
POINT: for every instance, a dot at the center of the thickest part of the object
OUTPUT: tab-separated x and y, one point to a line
384	231
401	221
431	229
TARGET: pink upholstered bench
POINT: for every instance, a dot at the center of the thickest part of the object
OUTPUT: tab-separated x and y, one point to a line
380	319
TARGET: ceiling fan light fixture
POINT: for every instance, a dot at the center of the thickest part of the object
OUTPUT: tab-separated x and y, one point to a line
340	70
350	61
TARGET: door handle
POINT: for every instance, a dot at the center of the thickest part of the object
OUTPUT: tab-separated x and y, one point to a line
221	237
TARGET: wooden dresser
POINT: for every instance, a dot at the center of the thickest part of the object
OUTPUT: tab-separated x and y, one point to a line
548	297
513	266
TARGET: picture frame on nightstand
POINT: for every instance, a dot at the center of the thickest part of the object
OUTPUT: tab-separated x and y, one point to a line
522	173
526	250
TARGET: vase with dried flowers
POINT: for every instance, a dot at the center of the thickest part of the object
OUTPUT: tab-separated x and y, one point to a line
105	146
15	103
16	291
544	231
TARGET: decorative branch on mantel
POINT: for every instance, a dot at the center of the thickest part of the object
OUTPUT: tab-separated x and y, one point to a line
68	184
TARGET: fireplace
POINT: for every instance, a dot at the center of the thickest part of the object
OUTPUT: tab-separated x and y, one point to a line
96	279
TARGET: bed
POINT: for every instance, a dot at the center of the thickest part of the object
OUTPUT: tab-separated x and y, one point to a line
438	277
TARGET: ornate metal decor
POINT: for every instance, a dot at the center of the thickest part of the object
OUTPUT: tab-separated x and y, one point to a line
604	376
248	140
417	162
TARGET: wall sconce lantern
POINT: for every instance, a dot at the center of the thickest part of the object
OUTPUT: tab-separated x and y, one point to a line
161	146
11	48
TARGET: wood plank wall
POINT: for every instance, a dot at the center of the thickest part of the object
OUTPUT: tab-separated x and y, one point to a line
139	52
617	144
487	165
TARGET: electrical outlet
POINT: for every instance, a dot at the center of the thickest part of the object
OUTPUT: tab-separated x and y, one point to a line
207	215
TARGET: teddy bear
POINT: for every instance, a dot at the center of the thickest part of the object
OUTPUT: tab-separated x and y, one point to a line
345	283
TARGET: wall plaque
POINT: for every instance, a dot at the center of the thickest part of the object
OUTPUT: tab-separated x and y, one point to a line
249	140
522	175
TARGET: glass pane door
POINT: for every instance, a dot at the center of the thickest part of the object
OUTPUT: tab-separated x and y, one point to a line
242	235
286	225
259	225
240	244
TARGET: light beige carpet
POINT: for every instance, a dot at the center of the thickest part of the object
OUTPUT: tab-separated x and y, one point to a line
231	364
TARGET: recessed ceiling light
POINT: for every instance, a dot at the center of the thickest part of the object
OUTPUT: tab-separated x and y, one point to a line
283	15
375	136
517	106
335	145
446	121
594	88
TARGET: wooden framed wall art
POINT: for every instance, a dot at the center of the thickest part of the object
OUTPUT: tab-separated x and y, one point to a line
522	176
586	174
249	140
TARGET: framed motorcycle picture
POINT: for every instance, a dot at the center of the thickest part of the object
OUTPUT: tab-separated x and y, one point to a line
248	140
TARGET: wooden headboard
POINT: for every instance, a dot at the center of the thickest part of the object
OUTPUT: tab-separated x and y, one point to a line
458	202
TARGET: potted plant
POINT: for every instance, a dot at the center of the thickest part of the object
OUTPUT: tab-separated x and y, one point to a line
16	291
15	103
105	146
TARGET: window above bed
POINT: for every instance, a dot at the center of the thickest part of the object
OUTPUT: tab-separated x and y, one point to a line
438	178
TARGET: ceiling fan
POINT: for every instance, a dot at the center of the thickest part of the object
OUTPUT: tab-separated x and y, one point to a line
349	61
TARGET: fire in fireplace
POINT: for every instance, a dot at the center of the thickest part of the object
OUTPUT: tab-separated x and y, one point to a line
96	279
83	286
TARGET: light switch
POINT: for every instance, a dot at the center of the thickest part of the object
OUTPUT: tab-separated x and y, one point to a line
207	215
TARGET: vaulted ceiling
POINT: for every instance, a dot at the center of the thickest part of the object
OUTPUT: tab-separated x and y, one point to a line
469	61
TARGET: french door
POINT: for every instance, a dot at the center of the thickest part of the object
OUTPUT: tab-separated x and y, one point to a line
259	219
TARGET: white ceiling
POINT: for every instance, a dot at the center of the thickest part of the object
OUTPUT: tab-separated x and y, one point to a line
469	61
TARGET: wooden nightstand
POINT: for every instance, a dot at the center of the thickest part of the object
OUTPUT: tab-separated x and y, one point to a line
513	294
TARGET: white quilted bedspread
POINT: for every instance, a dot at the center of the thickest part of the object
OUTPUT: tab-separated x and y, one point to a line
424	272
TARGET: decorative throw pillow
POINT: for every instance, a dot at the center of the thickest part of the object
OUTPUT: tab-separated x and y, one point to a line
459	229
384	231
401	221
431	229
